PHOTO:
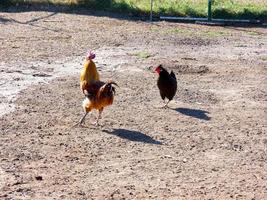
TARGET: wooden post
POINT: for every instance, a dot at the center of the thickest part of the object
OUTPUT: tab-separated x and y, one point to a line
151	10
209	10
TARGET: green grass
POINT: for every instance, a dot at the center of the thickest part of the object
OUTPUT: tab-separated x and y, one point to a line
264	58
190	32
253	33
234	9
143	55
182	31
214	34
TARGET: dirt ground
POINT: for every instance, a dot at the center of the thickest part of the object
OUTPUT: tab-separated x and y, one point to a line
210	144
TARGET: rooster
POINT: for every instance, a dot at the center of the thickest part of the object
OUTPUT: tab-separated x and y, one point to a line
167	84
89	73
100	95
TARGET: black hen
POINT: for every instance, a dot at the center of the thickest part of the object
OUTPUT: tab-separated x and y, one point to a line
167	83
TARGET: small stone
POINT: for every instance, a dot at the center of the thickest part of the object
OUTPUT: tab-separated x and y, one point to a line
39	178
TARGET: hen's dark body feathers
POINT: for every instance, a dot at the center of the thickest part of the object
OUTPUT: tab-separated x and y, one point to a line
167	84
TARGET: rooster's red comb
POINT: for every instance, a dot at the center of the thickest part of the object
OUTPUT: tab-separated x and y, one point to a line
90	55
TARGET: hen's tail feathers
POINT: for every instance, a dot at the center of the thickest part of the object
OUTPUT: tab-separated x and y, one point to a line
173	75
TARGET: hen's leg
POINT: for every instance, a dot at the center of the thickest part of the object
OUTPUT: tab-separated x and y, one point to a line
163	98
166	104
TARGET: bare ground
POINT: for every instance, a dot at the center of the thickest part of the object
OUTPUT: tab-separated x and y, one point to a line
210	144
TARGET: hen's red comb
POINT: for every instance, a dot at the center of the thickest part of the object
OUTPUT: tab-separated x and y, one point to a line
158	69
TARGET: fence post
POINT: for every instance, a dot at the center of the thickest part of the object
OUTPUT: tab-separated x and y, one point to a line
209	10
151	10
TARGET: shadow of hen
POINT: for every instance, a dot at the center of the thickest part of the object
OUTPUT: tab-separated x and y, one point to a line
196	113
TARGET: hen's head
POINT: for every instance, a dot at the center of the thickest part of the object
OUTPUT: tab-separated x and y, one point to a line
159	69
90	55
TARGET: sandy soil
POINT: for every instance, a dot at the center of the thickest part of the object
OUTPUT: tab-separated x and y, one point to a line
210	144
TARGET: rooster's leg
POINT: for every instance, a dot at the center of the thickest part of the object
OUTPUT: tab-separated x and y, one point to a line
82	119
99	116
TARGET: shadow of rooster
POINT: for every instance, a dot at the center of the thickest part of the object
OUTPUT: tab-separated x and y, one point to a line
133	136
